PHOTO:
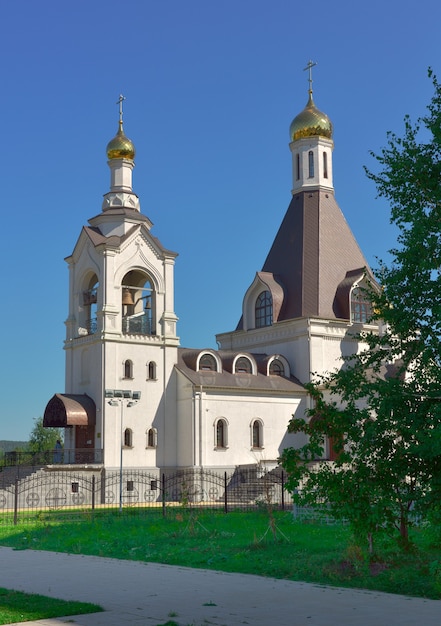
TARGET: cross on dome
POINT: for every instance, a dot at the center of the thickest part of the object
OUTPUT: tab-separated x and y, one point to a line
309	67
120	147
120	102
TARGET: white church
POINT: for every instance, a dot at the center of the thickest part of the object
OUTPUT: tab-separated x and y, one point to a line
135	398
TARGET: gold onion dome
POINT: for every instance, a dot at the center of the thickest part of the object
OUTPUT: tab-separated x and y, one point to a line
120	147
310	123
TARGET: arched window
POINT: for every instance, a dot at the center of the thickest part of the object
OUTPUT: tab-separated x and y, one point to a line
207	363
221	434
311	164
325	165
88	316
128	438
361	309
128	369
276	368
151	371
138	304
297	166
264	310
256	434
243	366
152	438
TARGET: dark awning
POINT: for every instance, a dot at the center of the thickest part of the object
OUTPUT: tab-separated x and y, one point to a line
69	410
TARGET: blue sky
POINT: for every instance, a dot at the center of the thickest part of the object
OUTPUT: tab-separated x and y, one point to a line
211	90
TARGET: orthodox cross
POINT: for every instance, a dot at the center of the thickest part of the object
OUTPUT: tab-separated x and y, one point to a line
309	67
120	102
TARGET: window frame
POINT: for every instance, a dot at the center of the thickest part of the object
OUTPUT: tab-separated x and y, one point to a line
257	434
128	369
221	441
128	438
360	307
263	309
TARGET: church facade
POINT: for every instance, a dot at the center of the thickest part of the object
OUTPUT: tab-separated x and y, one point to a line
135	398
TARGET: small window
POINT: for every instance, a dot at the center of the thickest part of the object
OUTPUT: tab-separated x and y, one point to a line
297	166
128	369
207	363
311	163
361	309
264	310
151	438
128	438
243	366
256	432
325	165
221	434
151	371
276	368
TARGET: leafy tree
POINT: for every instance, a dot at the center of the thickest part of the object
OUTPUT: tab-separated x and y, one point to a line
43	439
382	408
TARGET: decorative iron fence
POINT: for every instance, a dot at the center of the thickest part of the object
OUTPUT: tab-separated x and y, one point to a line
73	492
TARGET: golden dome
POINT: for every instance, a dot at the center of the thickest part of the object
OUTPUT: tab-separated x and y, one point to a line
120	147
310	123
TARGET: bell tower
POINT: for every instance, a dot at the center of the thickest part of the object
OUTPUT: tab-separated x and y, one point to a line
121	327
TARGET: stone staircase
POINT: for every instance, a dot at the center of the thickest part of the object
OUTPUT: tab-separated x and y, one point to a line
9	474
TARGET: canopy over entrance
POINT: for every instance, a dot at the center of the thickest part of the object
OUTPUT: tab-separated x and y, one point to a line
69	410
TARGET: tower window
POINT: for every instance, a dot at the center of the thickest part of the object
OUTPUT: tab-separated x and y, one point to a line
276	368
128	438
264	310
311	164
297	166
151	438
221	434
151	371
361	309
325	165
128	369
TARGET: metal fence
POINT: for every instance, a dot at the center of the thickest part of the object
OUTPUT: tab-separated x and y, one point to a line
24	460
72	492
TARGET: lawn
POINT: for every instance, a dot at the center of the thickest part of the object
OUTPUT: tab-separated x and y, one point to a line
252	543
21	607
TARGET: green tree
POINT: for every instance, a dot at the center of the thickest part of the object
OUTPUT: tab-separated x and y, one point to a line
382	408
43	439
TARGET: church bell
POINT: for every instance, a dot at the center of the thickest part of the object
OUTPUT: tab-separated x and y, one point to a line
127	297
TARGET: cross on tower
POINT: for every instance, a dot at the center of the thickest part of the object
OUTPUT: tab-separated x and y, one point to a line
120	102
309	67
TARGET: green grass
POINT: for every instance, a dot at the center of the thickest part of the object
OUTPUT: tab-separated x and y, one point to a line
245	543
21	607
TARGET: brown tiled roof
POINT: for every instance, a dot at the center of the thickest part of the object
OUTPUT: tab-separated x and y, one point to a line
312	253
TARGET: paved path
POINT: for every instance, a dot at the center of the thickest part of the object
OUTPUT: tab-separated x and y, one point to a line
145	594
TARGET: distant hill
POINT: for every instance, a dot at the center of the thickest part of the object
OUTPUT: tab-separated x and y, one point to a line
9	446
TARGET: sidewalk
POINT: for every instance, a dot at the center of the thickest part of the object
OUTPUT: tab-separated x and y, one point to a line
143	594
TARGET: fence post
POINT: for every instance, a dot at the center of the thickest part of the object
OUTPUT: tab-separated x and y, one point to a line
225	493
283	491
16	502
163	494
93	492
